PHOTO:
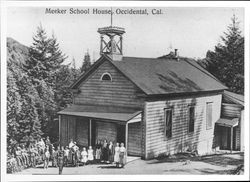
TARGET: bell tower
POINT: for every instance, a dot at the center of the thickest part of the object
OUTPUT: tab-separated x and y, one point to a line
111	41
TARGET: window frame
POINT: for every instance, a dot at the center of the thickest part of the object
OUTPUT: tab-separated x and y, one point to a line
106	73
165	123
207	126
189	118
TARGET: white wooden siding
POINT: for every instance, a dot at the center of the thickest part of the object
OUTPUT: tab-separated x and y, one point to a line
118	92
201	139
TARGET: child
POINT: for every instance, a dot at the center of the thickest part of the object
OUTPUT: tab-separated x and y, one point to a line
66	155
84	155
122	155
90	155
46	158
117	153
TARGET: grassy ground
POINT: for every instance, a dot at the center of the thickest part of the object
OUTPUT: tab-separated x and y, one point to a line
178	164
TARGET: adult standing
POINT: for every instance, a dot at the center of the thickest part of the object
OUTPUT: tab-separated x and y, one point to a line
60	159
54	157
46	158
105	151
32	156
98	151
117	155
122	155
111	152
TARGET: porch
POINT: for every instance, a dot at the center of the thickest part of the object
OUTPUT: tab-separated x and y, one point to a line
88	124
227	133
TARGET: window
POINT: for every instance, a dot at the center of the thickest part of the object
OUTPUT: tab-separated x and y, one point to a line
209	115
168	123
106	77
191	119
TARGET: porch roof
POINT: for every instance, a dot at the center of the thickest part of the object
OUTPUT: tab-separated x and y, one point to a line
228	122
101	112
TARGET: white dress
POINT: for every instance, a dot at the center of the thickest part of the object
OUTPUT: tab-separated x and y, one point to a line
117	152
71	144
90	155
84	155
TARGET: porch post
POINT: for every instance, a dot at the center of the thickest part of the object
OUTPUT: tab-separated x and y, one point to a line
59	130
126	139
90	132
231	146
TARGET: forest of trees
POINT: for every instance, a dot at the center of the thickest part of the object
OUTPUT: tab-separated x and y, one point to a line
37	88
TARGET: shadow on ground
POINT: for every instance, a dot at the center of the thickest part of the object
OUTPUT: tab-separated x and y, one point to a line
108	167
219	159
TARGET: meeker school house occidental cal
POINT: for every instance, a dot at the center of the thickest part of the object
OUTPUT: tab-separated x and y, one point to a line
156	106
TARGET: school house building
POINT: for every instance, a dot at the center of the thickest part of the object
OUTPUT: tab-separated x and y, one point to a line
156	106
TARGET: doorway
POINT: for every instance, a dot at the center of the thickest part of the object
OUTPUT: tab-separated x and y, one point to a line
121	130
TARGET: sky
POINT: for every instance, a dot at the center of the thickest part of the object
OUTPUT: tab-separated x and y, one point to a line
193	31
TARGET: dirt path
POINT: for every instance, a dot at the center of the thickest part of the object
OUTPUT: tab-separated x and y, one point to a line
216	164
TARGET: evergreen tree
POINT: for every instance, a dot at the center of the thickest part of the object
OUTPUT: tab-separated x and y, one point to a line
43	65
23	124
75	72
86	63
226	62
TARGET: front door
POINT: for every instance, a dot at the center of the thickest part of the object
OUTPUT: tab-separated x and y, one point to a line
105	131
121	129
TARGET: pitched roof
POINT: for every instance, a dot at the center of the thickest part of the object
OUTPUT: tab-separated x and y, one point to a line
229	122
162	75
166	76
233	98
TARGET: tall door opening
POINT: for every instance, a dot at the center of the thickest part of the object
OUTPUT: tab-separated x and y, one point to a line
121	130
93	133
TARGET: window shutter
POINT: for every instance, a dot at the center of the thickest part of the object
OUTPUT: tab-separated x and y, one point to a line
209	115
